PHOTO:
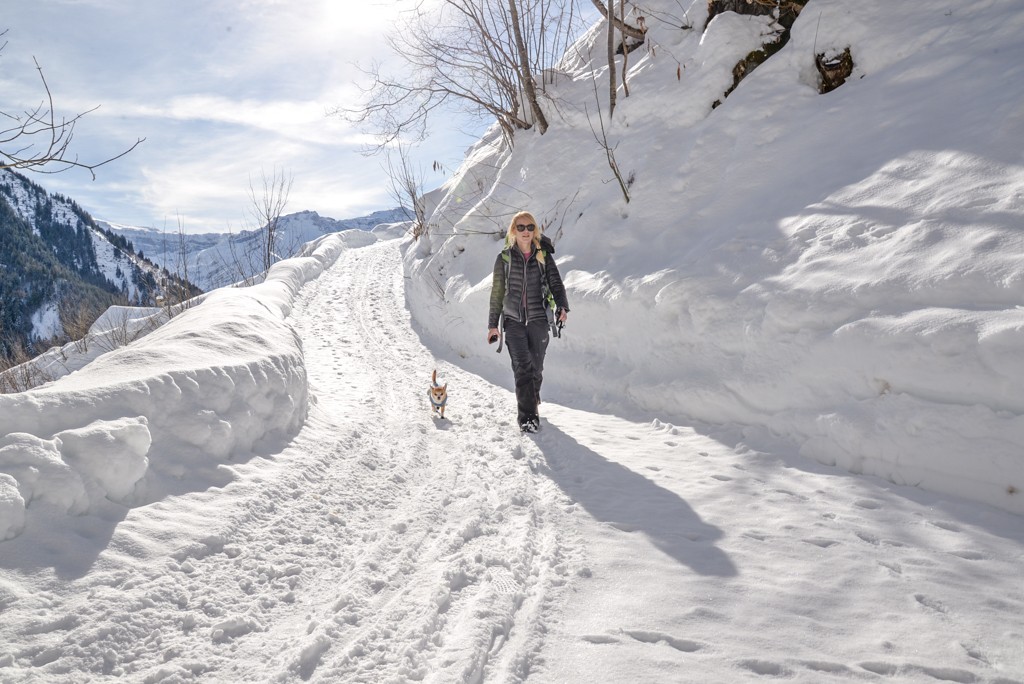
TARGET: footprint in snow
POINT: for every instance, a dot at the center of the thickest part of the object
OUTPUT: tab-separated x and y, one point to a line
824	666
649	637
821	541
894	568
869	538
767	668
930	603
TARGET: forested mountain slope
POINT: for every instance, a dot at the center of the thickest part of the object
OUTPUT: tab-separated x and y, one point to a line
60	270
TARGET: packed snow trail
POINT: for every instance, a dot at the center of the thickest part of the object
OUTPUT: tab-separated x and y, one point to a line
458	544
383	545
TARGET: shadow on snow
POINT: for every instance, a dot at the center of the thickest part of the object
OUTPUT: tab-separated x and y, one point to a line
616	495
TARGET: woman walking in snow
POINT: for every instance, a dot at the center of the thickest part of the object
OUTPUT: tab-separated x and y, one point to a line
526	283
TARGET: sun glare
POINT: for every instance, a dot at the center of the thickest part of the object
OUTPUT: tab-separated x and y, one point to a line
358	17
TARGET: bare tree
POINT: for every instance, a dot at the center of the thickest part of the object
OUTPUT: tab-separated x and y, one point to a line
267	206
253	252
525	70
637	33
480	56
176	284
38	139
20	372
76	317
407	188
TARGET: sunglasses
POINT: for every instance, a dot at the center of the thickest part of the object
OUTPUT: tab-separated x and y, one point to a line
529	226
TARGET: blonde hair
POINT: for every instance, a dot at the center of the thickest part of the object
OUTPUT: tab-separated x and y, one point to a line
525	217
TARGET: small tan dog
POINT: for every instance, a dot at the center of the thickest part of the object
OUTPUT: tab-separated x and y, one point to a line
438	395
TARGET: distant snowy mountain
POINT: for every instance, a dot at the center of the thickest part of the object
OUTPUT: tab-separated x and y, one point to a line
212	260
57	262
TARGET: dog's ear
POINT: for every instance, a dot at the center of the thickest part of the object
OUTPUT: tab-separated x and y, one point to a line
445	387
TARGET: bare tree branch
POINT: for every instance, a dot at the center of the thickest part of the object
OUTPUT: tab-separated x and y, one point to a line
483	57
631	31
38	140
609	149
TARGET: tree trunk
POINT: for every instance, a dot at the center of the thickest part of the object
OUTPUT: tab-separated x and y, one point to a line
524	68
611	60
625	50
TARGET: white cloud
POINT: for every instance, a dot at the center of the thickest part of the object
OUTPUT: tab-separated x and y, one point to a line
219	90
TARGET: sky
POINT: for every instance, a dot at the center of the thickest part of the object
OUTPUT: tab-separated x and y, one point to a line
223	92
781	431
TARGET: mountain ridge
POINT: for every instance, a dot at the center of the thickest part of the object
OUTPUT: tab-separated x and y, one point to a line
213	260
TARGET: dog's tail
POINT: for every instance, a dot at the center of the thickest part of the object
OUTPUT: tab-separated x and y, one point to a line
433	378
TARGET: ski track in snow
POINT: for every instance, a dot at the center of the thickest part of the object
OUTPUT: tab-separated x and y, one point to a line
386	545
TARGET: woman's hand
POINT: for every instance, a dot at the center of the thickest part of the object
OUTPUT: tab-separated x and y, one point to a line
562	315
492	335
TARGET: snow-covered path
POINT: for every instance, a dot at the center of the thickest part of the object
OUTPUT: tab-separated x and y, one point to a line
382	545
453	546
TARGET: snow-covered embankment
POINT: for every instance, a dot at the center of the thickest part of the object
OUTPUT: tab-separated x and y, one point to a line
213	382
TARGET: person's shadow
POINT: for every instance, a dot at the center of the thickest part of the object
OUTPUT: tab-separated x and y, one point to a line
630	502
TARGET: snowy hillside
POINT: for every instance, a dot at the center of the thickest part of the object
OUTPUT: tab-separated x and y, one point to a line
217	259
115	263
841	273
58	270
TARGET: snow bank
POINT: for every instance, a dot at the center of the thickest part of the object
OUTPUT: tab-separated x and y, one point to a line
70	472
167	410
110	453
843	271
12	508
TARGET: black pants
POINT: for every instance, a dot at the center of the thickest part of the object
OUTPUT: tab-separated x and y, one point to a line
527	345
